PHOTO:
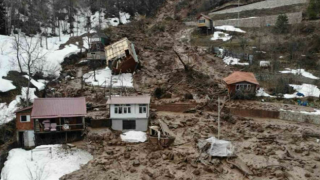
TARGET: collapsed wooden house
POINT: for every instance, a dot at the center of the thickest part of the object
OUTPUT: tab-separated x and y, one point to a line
121	57
50	120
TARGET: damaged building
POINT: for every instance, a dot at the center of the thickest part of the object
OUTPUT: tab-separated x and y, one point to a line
121	57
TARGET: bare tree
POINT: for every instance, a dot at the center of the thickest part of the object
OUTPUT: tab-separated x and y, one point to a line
32	58
16	46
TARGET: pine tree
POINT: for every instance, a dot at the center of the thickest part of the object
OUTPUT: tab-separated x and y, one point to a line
2	18
282	24
313	9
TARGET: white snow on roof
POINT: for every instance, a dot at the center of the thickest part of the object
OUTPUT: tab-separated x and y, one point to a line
221	35
299	72
52	168
229	28
103	77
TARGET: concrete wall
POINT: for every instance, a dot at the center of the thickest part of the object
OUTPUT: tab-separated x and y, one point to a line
299	117
254	113
141	124
283	115
294	18
268	4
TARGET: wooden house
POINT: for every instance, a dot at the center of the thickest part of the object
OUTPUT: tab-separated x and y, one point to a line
96	51
205	23
245	82
121	57
50	118
129	112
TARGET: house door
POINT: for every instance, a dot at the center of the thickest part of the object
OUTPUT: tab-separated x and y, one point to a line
21	139
129	124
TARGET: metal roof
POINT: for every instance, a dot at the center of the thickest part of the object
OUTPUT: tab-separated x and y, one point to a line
238	76
143	99
58	107
23	109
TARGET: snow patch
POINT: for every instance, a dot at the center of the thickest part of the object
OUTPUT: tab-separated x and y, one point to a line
52	167
229	28
40	85
221	35
134	136
299	72
233	61
7	111
103	77
261	93
306	89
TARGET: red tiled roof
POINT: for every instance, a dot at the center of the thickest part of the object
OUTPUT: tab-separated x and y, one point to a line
58	107
144	99
238	76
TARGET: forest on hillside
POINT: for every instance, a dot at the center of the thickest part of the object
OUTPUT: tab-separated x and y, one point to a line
31	16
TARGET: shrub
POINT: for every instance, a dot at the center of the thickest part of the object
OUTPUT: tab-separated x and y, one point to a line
282	24
313	9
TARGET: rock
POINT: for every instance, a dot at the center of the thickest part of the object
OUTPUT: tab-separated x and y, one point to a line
298	150
196	172
307	175
126	155
136	163
279	173
216	162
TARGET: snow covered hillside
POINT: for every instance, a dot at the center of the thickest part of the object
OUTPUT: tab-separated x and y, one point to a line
53	56
40	163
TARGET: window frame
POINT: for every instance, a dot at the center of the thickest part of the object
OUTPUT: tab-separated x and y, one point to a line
27	119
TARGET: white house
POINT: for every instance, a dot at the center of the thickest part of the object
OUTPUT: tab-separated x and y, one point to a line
129	112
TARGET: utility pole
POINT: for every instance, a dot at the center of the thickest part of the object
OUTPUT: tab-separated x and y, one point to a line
219	117
238	13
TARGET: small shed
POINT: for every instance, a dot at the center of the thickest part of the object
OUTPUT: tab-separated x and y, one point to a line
245	82
205	23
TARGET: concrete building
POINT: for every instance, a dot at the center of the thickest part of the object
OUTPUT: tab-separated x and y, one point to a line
129	112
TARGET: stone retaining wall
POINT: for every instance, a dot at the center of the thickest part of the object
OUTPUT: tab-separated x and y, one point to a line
299	117
294	18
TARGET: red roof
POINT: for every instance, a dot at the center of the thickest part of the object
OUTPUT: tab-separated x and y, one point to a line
58	107
23	109
238	76
202	15
143	99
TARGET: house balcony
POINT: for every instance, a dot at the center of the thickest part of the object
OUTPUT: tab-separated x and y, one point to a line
57	125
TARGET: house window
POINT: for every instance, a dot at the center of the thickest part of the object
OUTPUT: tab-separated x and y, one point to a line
202	21
243	87
25	118
142	108
122	109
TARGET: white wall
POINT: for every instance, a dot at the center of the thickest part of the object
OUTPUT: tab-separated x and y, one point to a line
141	124
29	138
133	115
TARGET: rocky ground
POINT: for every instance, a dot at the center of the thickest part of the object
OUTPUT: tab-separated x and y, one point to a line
265	149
